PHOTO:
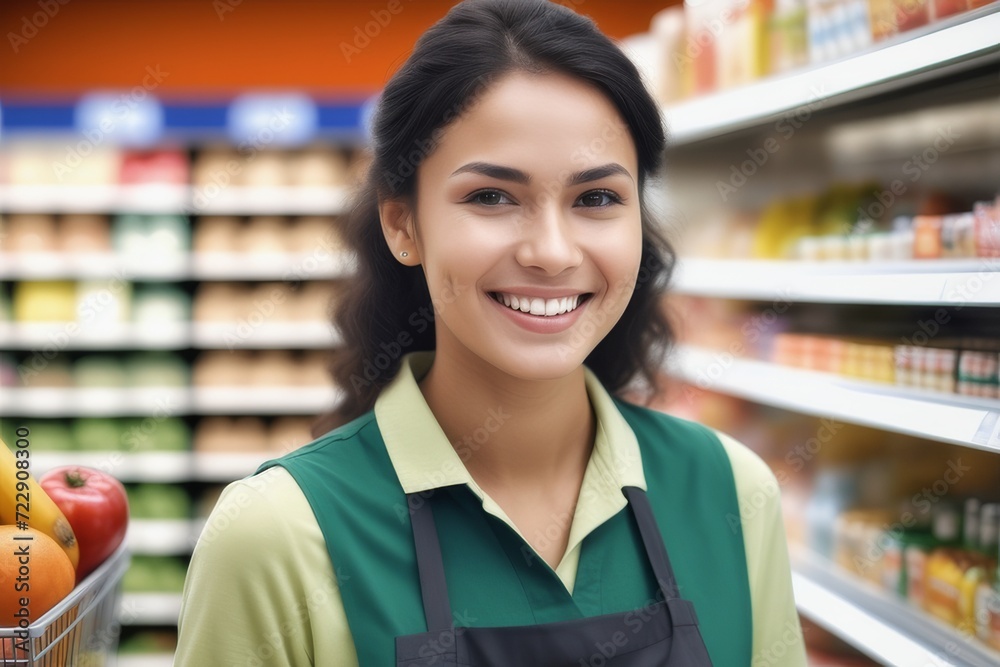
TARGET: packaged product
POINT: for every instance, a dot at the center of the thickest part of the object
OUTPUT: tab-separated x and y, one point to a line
858	542
927	237
987	595
702	43
789	47
987	228
882	18
947	566
943	8
742	45
911	14
896	574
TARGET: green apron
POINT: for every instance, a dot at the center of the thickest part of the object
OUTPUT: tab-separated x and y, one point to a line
494	578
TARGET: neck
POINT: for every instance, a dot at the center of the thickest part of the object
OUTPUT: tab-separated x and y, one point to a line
512	433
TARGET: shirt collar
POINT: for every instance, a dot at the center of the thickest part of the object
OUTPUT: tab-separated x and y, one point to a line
424	458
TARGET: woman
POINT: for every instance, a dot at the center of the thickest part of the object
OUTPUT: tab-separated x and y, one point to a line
486	498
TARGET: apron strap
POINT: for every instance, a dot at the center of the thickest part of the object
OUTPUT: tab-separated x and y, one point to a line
653	539
433	587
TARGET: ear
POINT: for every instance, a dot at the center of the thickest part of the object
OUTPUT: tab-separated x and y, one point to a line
400	233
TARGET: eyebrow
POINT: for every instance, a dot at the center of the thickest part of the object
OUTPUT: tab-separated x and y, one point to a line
502	173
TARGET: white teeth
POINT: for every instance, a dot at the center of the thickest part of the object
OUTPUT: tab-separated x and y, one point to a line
537	306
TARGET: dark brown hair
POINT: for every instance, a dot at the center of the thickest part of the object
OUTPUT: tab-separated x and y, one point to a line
385	311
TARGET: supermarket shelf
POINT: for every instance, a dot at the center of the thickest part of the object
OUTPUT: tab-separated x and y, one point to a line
971	282
145	660
237	200
163	198
149	198
225	467
150	608
953	419
959	42
125	466
92	266
122	402
158	466
161	537
264	400
94	402
881	625
320	264
283	335
78	336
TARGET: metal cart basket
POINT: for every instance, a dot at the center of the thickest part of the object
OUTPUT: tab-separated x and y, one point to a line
81	631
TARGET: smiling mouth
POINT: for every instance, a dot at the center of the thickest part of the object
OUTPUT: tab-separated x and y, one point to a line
538	306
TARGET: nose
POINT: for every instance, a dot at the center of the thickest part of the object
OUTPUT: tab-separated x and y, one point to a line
548	240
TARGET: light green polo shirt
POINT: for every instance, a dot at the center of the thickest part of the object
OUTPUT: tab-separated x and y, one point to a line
261	588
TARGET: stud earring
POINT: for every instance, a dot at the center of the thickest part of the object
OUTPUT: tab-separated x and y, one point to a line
404	254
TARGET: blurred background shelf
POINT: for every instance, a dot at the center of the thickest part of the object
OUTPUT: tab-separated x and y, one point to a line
146	198
166	467
969	282
321	264
264	400
98	402
958	420
882	626
933	52
146	660
268	335
93	266
161	537
74	336
150	608
275	200
46	402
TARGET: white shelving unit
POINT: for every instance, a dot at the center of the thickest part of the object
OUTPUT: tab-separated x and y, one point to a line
154	198
165	467
963	41
168	336
163	537
130	402
294	335
878	624
970	282
959	420
162	198
322	264
146	660
150	608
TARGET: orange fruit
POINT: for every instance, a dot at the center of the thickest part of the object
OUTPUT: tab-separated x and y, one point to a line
30	557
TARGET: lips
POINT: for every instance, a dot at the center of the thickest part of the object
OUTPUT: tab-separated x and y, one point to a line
539	306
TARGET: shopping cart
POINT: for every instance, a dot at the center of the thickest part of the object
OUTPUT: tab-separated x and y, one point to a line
81	631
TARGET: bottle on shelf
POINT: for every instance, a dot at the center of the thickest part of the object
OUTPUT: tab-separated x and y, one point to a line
987	593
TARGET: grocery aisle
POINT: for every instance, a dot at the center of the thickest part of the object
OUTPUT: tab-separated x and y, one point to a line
169	250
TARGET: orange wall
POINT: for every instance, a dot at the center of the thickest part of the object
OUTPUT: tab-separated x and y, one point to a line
259	43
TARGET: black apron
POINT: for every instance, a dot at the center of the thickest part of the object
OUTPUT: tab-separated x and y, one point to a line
667	632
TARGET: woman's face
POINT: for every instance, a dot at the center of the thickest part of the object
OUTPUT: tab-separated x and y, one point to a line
527	226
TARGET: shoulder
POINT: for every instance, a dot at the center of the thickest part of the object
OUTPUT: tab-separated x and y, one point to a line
345	444
269	504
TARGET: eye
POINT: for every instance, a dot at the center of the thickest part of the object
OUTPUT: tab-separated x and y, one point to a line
489	198
598	199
